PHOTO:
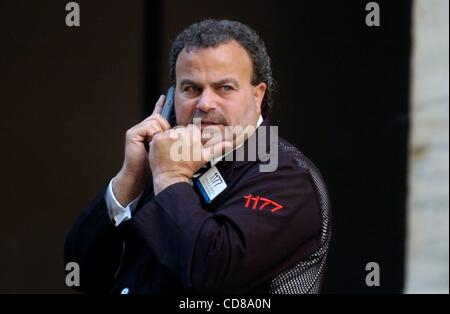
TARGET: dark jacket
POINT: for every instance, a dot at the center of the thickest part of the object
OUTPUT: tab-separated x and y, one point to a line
261	225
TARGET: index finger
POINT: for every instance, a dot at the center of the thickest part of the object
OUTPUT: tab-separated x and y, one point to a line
159	104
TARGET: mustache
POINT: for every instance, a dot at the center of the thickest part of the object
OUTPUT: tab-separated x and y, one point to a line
212	116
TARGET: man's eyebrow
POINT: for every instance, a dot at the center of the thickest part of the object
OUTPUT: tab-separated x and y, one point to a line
188	81
220	82
226	81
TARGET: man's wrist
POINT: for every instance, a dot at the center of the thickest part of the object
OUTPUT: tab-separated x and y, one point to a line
126	188
160	182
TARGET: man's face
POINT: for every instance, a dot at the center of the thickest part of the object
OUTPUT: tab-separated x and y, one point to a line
214	84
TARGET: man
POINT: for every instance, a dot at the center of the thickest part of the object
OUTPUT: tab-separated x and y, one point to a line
161	227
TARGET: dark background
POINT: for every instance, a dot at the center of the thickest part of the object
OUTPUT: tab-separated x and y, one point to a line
67	95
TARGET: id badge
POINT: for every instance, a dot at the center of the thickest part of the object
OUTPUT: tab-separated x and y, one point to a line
210	184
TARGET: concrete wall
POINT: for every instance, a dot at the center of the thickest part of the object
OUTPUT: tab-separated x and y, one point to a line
428	218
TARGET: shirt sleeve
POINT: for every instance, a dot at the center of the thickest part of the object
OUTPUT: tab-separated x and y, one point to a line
117	213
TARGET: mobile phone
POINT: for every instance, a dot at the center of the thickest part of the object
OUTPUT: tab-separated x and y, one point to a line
168	111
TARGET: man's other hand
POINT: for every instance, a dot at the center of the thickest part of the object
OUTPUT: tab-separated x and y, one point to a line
176	154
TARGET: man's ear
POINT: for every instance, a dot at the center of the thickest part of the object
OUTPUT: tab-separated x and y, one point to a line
258	93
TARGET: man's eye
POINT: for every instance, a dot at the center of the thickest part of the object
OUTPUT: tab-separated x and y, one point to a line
192	89
226	88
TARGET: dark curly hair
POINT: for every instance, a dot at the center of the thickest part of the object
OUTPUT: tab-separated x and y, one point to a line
212	33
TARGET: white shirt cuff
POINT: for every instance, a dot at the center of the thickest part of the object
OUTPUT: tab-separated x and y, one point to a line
117	213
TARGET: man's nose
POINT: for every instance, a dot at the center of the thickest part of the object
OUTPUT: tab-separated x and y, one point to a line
206	101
